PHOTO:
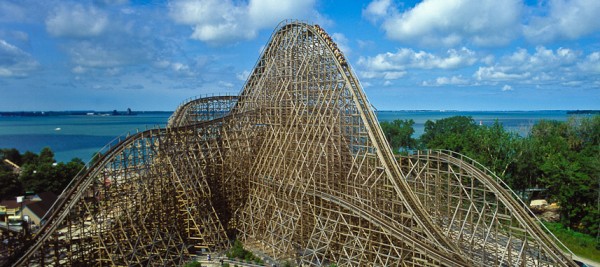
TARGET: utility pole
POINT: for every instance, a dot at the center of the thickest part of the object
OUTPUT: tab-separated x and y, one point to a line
20	199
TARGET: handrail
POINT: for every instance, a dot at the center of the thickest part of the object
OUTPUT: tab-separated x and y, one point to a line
509	196
440	247
176	117
58	211
113	142
514	195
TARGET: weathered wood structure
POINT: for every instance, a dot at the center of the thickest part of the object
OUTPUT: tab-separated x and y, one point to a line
297	167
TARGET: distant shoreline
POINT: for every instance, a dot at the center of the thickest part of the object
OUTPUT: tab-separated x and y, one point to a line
75	113
125	113
583	112
568	111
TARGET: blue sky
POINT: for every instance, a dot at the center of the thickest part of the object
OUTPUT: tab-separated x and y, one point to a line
433	54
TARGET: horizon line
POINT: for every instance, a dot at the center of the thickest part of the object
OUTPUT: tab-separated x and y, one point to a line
375	110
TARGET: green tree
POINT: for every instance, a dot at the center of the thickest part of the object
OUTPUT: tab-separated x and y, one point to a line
11	154
495	148
399	134
238	251
499	150
29	157
524	172
453	133
46	156
10	186
44	175
193	264
570	169
559	156
36	177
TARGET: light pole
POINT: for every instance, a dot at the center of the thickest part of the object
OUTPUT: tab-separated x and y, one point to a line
20	199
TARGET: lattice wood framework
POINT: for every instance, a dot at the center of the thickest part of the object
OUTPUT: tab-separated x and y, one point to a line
478	211
297	167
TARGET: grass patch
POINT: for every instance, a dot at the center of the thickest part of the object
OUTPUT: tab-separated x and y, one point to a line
581	244
238	251
192	264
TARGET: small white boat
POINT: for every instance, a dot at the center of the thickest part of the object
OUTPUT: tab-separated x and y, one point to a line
57	129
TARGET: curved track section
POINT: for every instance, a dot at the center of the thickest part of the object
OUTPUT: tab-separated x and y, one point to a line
296	167
478	211
202	109
322	139
145	202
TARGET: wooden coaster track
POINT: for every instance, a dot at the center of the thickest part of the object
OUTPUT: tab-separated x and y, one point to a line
296	167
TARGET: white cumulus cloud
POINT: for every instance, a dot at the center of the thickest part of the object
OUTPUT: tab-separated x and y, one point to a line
15	62
28	11
77	21
406	58
243	76
454	80
499	73
449	22
542	66
378	9
78	70
88	54
386	75
225	84
542	59
564	19
342	42
591	64
222	21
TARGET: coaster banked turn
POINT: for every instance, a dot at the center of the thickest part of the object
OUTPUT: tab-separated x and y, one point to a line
296	167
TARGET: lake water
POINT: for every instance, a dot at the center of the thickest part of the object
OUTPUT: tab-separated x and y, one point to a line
73	136
81	136
517	121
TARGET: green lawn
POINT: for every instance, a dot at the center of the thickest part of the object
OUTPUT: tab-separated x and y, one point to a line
582	245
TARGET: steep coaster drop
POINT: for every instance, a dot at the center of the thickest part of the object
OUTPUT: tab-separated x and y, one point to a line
296	166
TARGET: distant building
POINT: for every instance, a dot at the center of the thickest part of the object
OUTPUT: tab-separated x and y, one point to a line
8	212
34	208
37	209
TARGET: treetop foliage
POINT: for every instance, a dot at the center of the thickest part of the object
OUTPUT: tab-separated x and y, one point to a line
238	251
561	157
39	173
399	134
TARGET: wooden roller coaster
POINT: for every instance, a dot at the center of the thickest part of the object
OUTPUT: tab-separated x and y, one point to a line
296	167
